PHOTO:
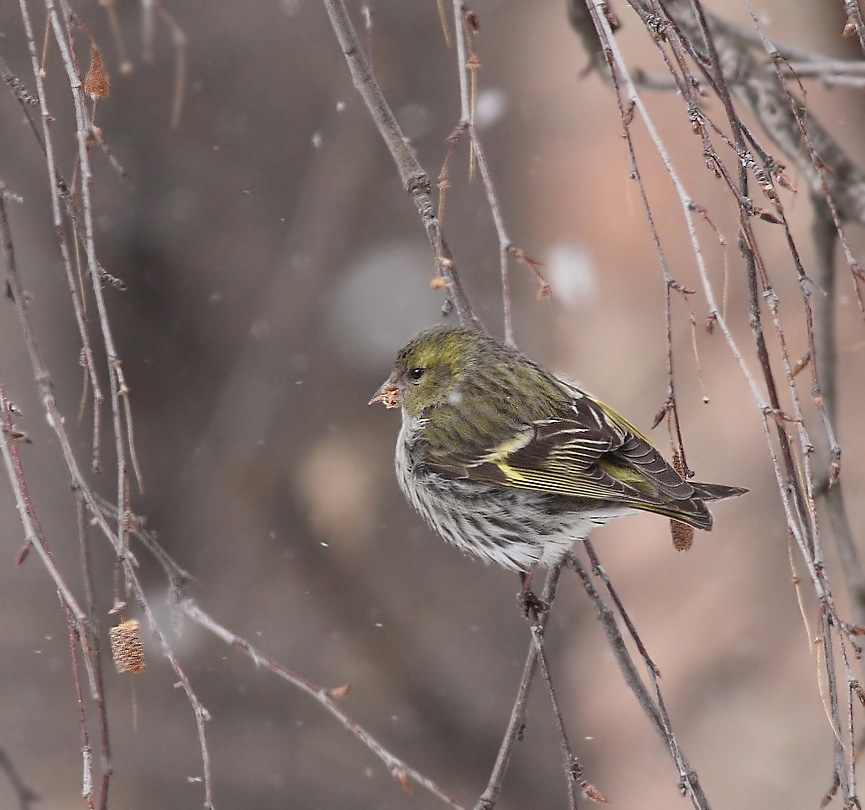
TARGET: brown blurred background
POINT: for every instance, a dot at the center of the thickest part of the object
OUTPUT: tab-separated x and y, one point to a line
274	266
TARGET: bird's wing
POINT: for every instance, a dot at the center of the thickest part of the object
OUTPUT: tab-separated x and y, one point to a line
590	453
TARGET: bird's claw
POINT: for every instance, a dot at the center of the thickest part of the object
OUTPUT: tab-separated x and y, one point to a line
530	605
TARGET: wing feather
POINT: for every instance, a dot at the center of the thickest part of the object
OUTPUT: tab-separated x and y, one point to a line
590	453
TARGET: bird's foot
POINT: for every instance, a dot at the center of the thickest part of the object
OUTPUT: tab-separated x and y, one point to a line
531	606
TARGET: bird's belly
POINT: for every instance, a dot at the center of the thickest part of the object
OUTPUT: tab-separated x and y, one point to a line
514	528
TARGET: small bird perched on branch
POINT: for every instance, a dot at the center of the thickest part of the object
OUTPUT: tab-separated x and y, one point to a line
512	464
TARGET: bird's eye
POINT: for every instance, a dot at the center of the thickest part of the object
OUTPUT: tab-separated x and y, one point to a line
415	374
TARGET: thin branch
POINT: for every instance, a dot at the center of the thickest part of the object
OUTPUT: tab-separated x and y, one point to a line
200	713
570	762
59	188
92	643
825	345
326	697
25	795
507	248
690	782
33	533
823	69
697	36
86	750
415	180
516	724
65	43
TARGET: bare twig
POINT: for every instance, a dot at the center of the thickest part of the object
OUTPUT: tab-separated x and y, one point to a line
707	42
507	249
84	125
326	697
415	180
571	763
689	780
59	189
33	533
825	237
92	643
24	794
490	796
86	750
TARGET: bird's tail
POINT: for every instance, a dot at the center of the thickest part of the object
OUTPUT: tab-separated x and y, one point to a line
694	511
716	492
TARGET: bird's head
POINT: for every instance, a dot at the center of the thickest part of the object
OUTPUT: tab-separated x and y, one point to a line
428	369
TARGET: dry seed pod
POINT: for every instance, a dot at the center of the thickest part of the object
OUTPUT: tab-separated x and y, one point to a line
682	533
96	82
126	649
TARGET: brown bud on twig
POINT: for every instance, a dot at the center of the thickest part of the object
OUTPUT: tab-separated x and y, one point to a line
681	288
118	607
23	552
766	216
126	649
402	777
785	181
591	792
662	412
835	468
533	265
628	114
339	691
801	363
612	19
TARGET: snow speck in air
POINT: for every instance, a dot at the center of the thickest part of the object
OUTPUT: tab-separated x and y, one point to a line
317	138
340	106
571	274
491	106
260	329
415	120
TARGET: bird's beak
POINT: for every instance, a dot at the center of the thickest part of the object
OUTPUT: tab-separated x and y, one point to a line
387	394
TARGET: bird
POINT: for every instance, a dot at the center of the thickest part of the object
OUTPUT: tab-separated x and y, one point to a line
513	464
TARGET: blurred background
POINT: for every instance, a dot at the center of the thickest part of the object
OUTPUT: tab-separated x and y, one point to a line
274	266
